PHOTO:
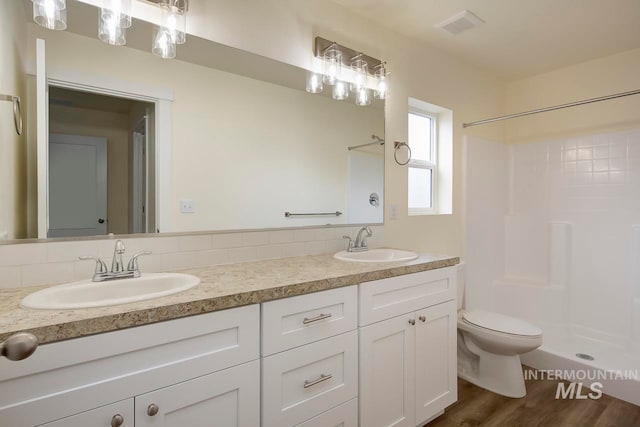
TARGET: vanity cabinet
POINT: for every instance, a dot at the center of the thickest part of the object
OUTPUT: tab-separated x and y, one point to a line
408	372
381	353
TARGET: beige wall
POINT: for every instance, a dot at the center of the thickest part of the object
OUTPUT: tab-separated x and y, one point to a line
114	127
599	77
12	147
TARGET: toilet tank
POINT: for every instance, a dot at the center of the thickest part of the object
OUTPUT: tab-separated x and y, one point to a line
460	283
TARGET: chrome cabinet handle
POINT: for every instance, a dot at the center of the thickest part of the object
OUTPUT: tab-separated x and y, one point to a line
412	322
422	318
19	346
152	409
321	316
117	420
322	378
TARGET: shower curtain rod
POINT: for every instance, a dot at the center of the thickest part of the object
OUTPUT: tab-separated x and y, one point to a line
555	107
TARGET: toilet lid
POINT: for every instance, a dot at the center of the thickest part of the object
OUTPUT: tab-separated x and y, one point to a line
501	323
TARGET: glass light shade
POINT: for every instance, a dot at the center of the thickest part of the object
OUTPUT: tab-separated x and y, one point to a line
163	45
314	82
110	29
332	66
361	74
120	9
340	90
51	14
176	22
363	97
382	88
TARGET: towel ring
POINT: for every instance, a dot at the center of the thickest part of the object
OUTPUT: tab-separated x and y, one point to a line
17	111
397	145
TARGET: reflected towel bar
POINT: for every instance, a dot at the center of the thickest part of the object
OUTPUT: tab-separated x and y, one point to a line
336	213
17	111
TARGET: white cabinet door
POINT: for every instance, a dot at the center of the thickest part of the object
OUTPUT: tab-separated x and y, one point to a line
118	414
387	373
228	398
436	363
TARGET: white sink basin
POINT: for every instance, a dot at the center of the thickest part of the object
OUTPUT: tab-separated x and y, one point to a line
86	294
377	255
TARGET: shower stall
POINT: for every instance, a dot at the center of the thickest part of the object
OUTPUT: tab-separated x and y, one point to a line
552	236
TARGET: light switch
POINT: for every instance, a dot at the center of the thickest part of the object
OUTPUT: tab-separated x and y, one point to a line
393	211
187	206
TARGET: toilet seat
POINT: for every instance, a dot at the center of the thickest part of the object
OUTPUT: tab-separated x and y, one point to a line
501	323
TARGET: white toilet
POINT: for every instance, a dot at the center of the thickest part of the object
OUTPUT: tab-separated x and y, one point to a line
490	345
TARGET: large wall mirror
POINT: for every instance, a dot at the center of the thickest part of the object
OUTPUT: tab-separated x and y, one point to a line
121	141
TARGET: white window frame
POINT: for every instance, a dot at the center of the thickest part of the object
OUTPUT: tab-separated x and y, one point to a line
422	164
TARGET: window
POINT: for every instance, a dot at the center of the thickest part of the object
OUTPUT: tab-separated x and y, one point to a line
423	163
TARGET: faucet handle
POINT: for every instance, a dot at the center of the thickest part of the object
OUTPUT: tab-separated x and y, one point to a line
350	247
101	267
133	262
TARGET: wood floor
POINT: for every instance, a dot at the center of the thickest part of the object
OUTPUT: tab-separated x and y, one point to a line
539	408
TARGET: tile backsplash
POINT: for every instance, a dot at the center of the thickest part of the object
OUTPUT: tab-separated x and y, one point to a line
31	264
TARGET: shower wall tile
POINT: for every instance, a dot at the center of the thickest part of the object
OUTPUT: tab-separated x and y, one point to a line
592	183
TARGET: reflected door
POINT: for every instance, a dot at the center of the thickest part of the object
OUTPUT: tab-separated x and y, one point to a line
77	185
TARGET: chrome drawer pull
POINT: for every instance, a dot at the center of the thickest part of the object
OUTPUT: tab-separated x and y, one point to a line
321	316
322	378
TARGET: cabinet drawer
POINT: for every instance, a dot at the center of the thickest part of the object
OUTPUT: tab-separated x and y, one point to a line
300	320
345	415
306	381
387	298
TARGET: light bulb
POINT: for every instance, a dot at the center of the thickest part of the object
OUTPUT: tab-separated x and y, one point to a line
314	82
340	91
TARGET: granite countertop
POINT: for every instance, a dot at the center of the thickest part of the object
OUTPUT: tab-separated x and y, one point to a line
221	287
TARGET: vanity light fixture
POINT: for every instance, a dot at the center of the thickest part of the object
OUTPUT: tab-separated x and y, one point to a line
114	19
314	82
360	69
51	14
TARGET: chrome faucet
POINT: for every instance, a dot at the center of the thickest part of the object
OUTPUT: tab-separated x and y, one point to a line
360	244
118	271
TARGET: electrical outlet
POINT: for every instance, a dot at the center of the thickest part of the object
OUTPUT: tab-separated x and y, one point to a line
187	206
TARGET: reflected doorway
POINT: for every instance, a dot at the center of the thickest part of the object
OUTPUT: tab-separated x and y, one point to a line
101	164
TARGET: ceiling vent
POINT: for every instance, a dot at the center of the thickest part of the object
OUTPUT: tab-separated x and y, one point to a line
460	22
